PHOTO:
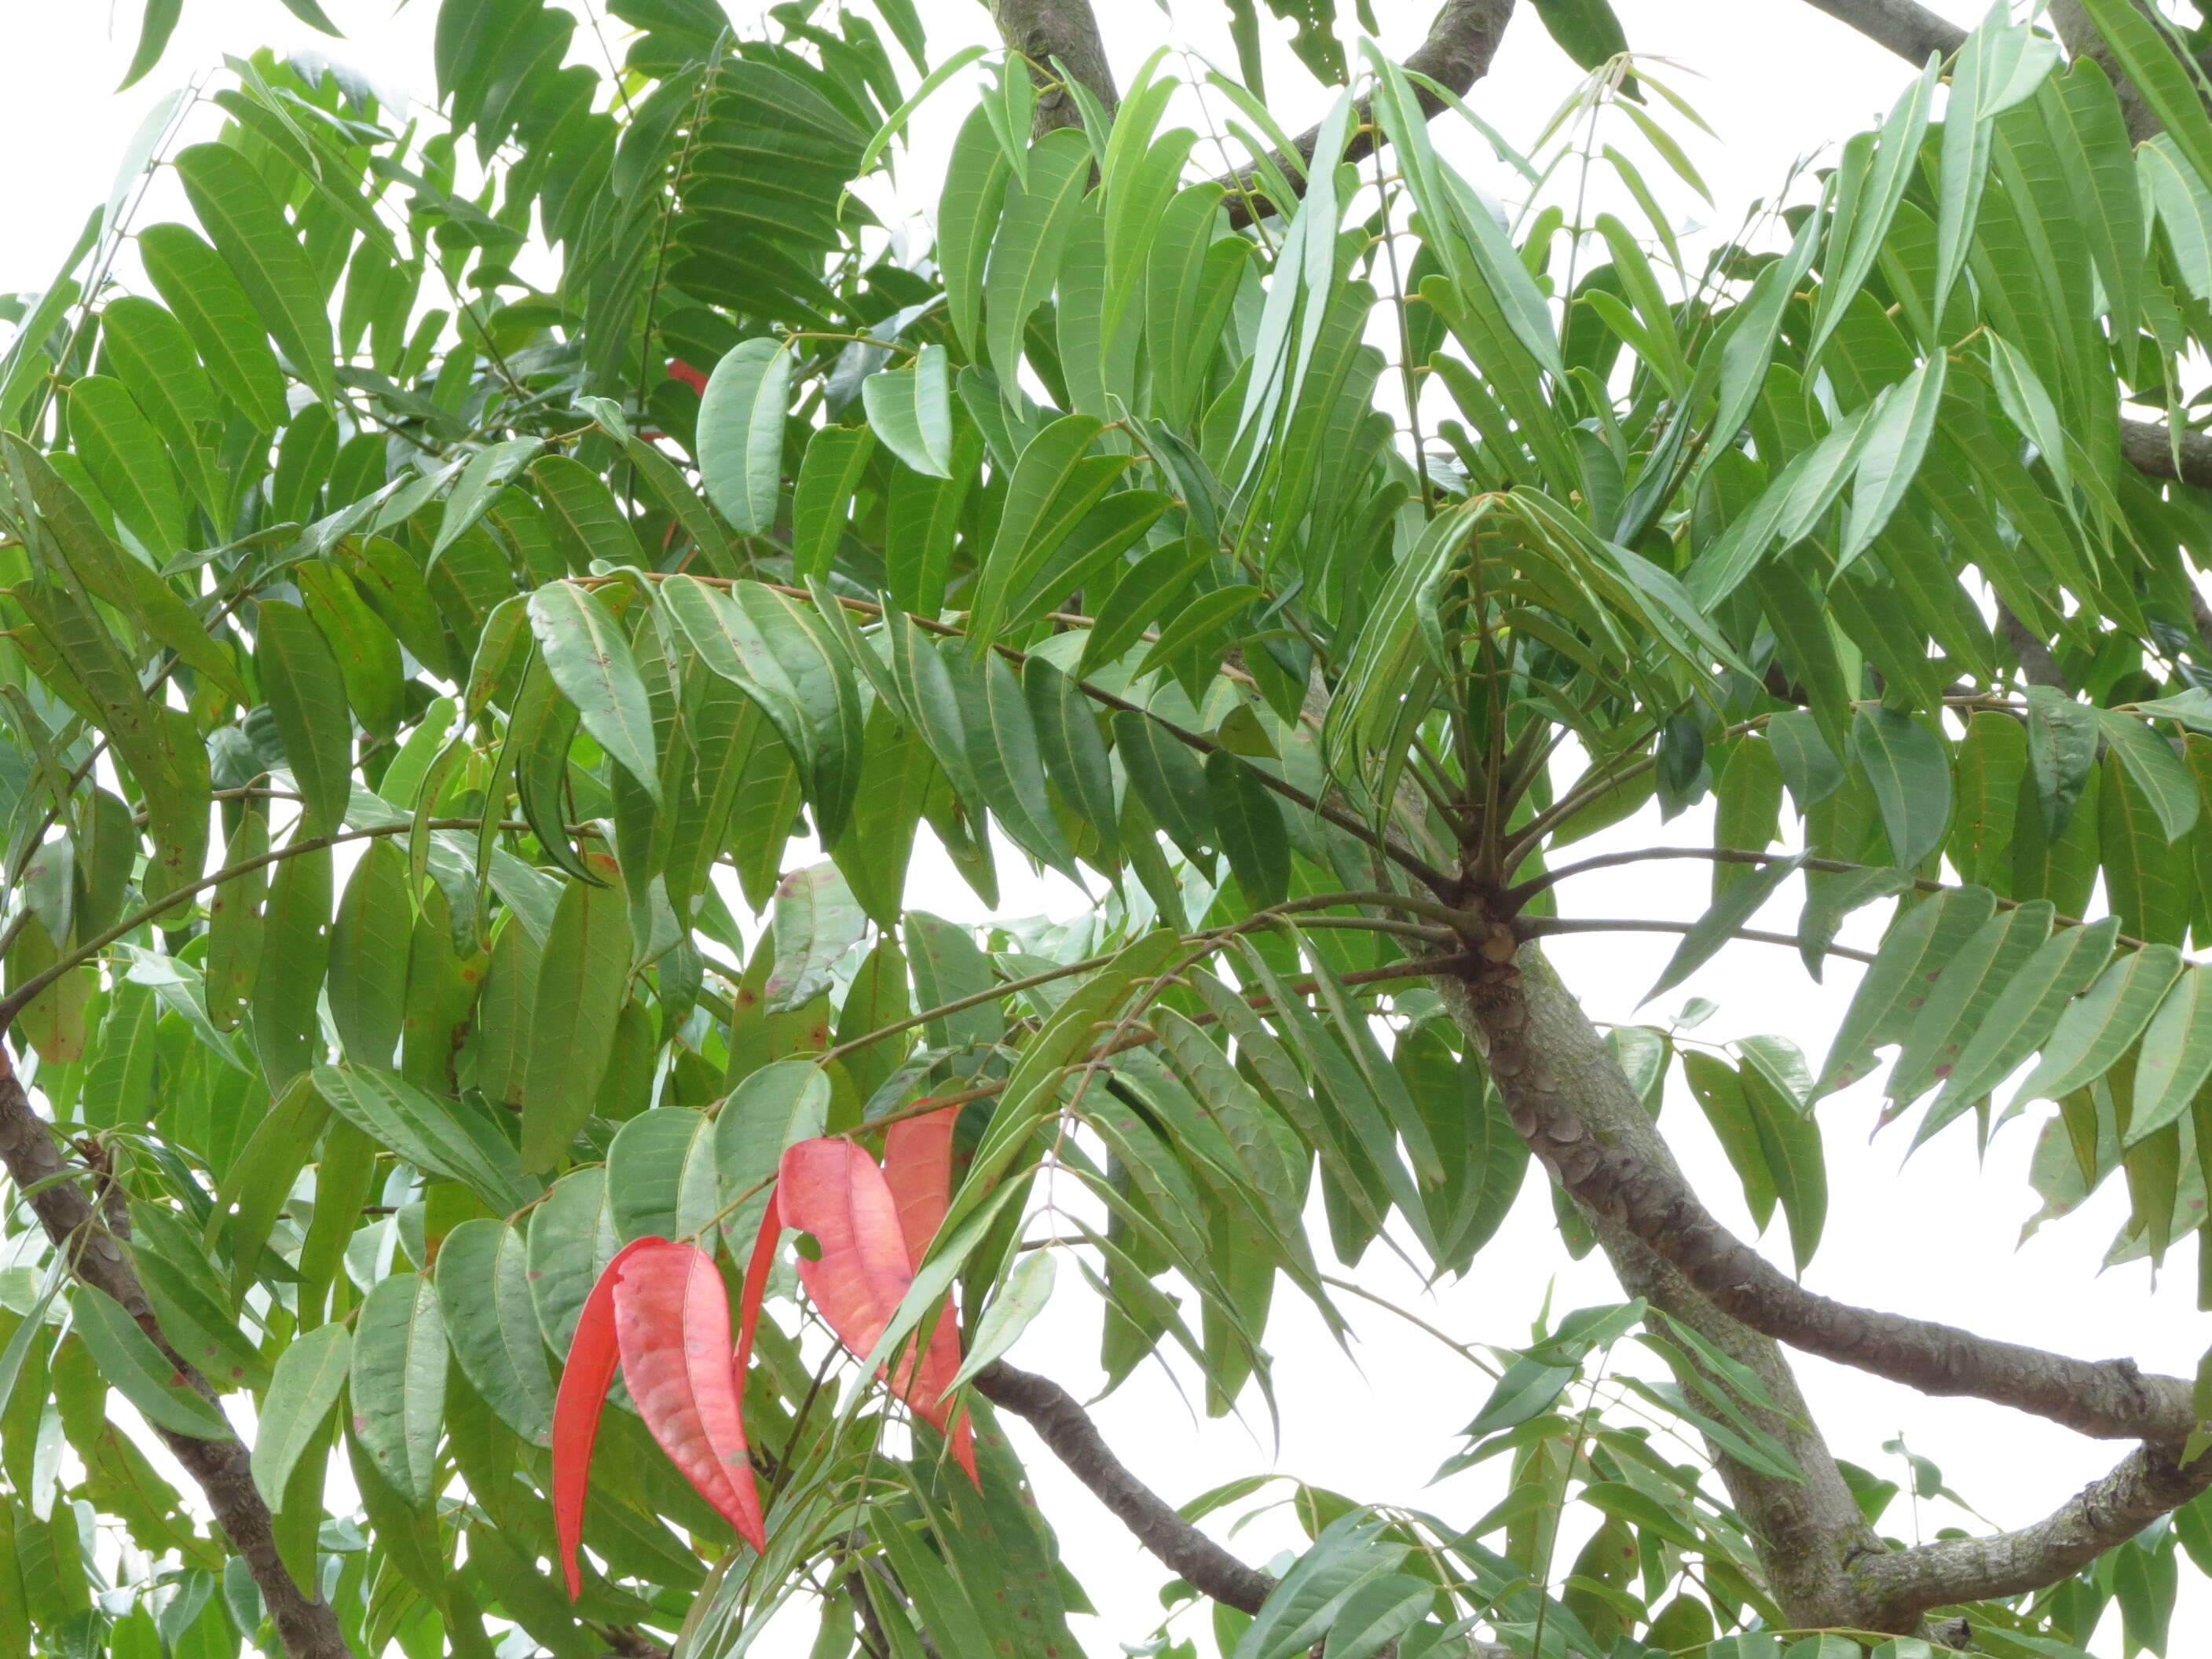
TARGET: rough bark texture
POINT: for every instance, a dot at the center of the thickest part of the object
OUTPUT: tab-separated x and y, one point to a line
1457	53
1552	1078
2107	1513
1042	30
1070	1435
1568	1098
2082	39
1550	1066
95	1246
1909	30
2150	448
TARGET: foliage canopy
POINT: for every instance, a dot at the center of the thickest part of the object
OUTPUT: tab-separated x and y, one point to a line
494	603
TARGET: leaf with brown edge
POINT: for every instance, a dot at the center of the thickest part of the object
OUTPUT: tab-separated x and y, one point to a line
671	1320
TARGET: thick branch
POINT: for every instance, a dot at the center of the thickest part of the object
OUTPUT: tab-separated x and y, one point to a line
2148	1484
1807	1531
306	1625
1456	54
2152	449
2108	1399
1068	1431
1043	30
1906	27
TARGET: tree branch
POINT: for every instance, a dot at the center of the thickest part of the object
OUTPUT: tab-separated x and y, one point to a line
1807	1531
92	1244
2146	1484
1551	926
1043	30
2158	451
1906	27
2109	1399
1068	1431
1457	53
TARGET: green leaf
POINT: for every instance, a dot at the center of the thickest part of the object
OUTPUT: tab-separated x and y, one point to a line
398	1383
1381	1610
439	1136
1965	989
815	923
2062	967
1032	234
200	289
583	980
1921	942
368	980
2061	748
1248	822
740	446
1911	778
2155	768
1791	1138
1018	1302
1719	1090
306	695
308	1376
590	661
2095	1031
1729	913
483	1295
127	1358
1889	455
2175	1056
2145	56
835	457
129	462
911	410
248	228
572	1239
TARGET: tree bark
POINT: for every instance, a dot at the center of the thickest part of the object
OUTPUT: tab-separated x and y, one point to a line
1043	30
1457	53
1909	30
1542	1053
2107	1513
94	1247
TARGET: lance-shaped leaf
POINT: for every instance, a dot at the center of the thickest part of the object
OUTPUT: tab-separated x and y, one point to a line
397	1386
484	1290
817	922
583	976
1911	778
2060	969
2175	1056
911	411
1719	924
2061	748
671	1320
583	648
250	231
740	445
2096	1030
833	1190
585	1376
308	1376
128	1359
307	695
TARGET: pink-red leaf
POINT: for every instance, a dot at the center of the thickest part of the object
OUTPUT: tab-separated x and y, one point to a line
833	1189
918	1166
585	1378
755	1290
672	1326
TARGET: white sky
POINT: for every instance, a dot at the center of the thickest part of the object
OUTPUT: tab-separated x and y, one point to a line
1933	1237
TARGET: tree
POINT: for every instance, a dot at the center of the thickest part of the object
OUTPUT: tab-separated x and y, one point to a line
465	563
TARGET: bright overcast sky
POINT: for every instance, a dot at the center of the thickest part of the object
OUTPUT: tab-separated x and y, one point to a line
1934	1236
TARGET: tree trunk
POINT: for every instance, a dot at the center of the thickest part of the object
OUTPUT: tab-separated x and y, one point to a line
1544	1054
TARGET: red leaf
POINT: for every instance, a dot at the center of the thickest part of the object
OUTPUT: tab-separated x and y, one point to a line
672	1324
680	370
918	1168
584	1380
918	1165
757	1270
833	1189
